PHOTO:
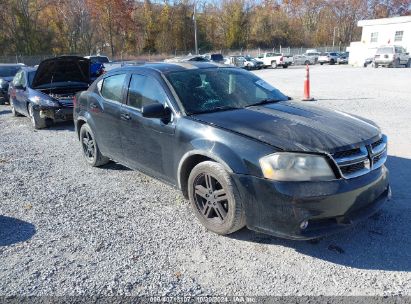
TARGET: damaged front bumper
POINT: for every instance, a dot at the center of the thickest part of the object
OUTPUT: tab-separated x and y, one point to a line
307	210
55	113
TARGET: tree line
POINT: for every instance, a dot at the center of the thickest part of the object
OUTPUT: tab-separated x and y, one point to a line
126	27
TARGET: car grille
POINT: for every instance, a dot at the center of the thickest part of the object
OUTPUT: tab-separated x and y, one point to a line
67	103
356	162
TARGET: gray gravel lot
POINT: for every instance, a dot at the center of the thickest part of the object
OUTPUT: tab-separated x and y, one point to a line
68	229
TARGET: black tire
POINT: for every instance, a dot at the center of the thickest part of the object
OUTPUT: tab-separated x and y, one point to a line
285	66
397	63
306	62
36	120
321	63
332	62
273	64
13	109
215	198
91	151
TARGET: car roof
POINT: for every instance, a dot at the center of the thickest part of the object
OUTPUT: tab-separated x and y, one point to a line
168	67
11	65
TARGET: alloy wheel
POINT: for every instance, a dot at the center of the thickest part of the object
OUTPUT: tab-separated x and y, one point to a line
89	148
211	198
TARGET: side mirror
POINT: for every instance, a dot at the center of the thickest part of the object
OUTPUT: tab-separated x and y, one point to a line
156	110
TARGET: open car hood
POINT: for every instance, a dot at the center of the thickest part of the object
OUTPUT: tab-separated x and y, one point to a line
62	69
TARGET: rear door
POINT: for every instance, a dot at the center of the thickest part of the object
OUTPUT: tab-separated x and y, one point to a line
105	109
147	142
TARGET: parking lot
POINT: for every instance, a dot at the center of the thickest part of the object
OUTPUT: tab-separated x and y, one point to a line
69	229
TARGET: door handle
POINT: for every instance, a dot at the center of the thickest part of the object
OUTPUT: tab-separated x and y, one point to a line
125	116
93	105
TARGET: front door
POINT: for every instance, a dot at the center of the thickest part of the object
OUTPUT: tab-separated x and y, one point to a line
147	142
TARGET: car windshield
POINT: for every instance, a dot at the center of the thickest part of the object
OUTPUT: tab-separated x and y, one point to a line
217	57
386	50
217	89
9	71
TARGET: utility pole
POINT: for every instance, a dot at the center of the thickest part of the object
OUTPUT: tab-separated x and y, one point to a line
334	36
195	28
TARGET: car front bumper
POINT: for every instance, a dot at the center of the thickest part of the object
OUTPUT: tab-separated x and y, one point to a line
279	208
62	113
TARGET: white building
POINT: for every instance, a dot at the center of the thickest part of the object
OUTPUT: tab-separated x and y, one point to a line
378	32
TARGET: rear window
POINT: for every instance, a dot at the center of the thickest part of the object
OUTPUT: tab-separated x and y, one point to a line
217	57
99	59
112	87
9	71
385	50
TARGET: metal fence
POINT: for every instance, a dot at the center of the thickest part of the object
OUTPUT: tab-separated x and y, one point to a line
36	59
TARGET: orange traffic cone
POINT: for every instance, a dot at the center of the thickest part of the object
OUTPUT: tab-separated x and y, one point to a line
307	86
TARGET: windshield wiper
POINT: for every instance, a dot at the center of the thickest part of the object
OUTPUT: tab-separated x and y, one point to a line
264	101
216	109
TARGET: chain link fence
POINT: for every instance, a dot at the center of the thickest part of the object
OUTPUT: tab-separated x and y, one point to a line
36	59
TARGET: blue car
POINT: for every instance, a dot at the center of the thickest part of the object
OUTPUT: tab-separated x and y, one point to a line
46	95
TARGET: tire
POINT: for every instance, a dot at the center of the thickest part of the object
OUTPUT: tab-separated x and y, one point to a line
306	62
285	66
397	63
274	64
332	61
13	109
409	63
36	120
376	65
219	215
91	151
321	63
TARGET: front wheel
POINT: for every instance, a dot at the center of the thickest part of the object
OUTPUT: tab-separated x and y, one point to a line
36	120
285	66
13	109
91	151
215	198
274	64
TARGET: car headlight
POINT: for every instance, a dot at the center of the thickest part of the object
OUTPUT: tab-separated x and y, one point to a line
284	166
44	101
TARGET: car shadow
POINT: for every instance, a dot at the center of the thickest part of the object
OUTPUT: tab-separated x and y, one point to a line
381	243
61	126
13	230
115	166
4	112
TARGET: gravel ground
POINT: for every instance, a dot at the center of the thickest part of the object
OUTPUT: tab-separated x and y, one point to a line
68	229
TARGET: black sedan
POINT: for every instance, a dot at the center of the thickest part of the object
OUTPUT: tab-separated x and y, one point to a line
238	148
7	72
46	94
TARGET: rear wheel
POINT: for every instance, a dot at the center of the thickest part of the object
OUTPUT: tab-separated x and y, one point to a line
36	120
91	152
285	66
306	62
215	198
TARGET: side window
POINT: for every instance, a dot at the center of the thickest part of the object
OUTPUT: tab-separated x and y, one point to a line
18	78
112	87
374	37
144	90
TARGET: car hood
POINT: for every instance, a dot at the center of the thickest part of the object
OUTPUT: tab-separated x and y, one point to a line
294	126
64	69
